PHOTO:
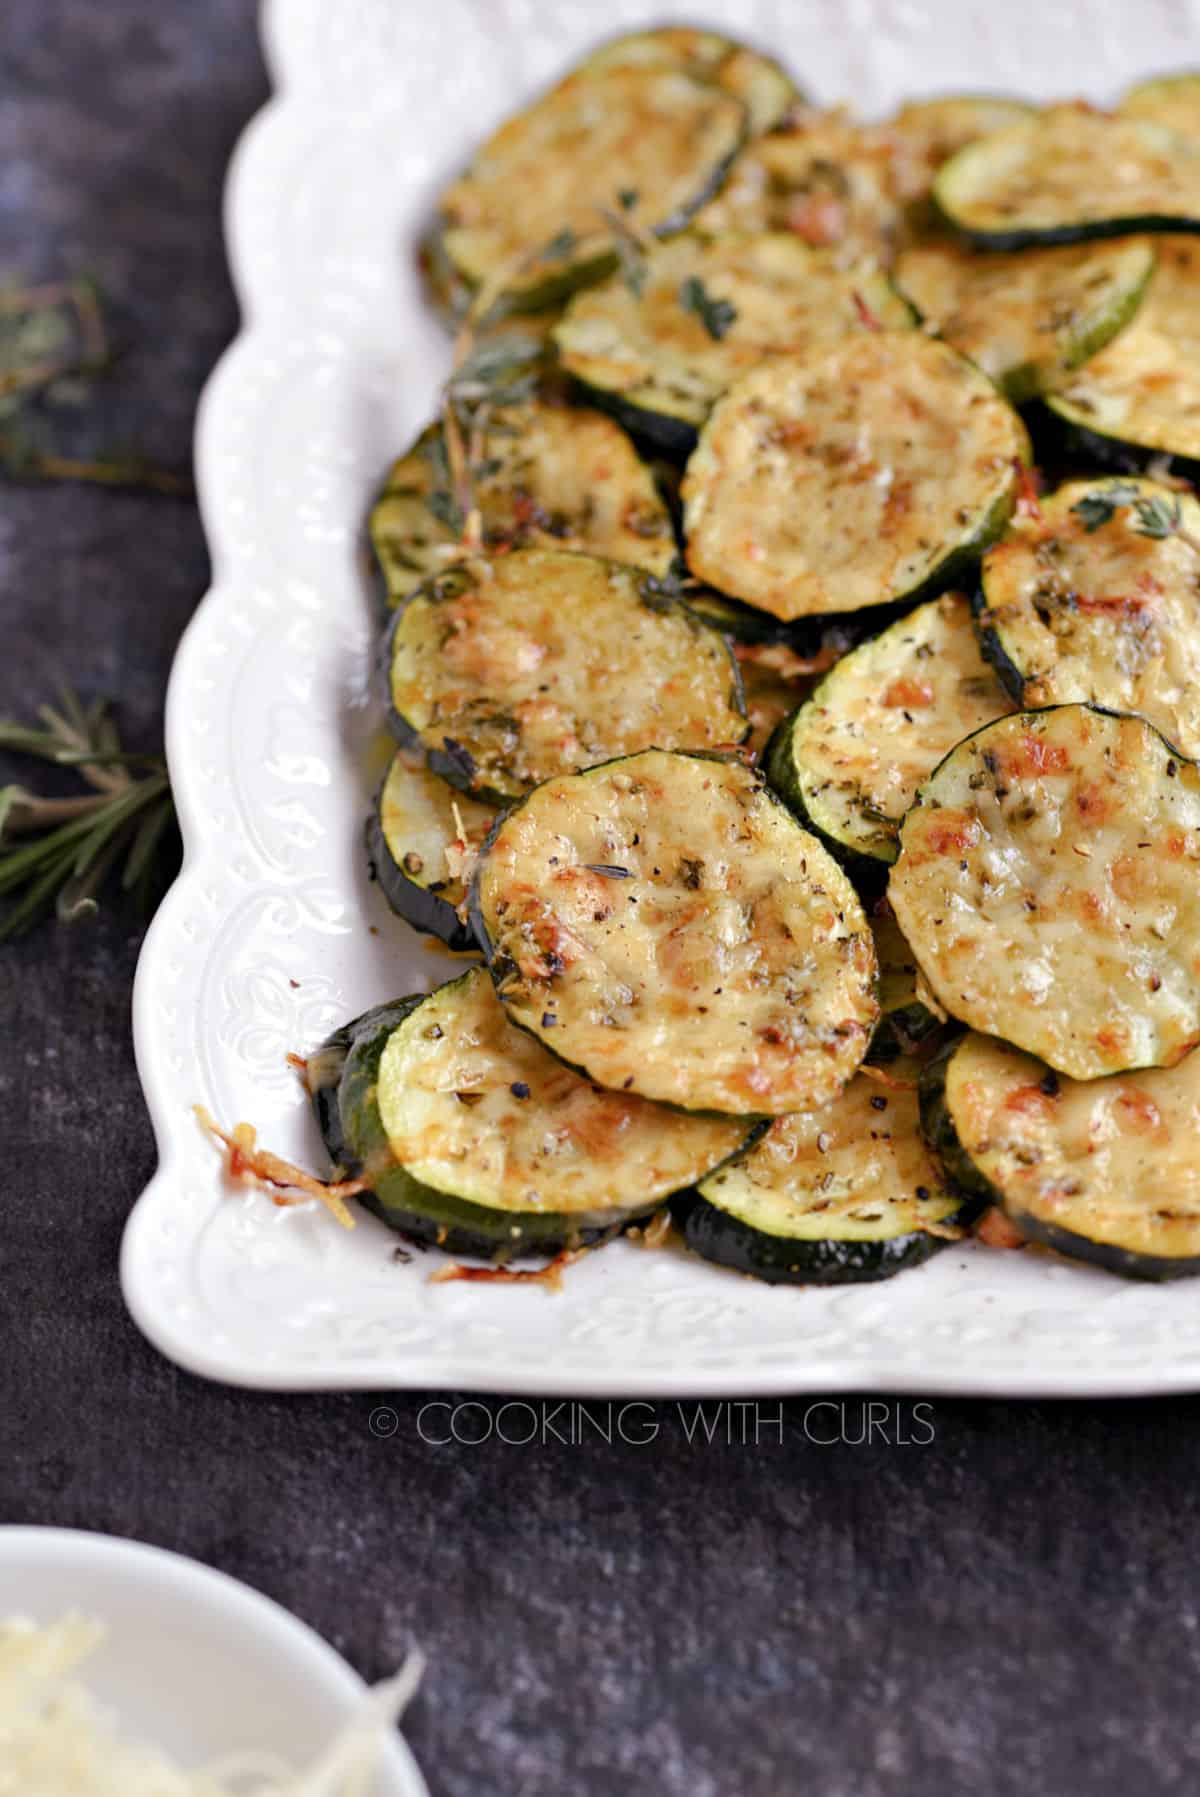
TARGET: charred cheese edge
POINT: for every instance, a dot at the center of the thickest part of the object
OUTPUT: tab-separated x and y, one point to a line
834	1196
657	355
421	838
570	476
1070	173
525	218
853	478
850	760
763	86
664	924
1140	397
509	671
472	1136
1103	1170
1079	606
1049	883
1028	319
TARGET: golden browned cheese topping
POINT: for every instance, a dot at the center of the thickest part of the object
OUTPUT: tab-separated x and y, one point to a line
1173	101
1049	883
824	177
777	294
763	87
543	660
925	133
647	130
880	723
1113	1160
1145	386
663	923
551	474
857	1170
1070	166
843	480
1029	318
1089	605
473	1106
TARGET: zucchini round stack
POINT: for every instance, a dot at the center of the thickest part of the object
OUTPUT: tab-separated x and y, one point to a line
670	727
476	1139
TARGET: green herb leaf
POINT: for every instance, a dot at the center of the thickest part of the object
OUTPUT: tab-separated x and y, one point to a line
716	315
1158	517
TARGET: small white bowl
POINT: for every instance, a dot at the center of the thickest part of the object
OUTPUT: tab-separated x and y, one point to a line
193	1662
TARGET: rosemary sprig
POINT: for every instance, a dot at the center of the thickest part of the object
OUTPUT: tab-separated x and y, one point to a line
58	853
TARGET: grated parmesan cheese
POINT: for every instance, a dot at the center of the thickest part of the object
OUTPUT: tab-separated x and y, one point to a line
57	1741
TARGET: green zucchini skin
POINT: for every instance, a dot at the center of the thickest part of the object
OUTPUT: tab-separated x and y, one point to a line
993	651
939	1131
657	433
1151	223
868	872
418	905
942	1137
779	1260
1078	449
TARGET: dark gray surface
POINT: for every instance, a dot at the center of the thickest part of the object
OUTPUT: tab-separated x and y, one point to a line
1010	1608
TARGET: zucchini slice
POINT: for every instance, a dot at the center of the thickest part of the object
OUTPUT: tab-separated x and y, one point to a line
570	476
1068	174
707	311
837	1196
825	177
924	134
1027	320
763	86
643	139
850	760
664	924
870	473
1085	601
420	836
476	1139
1140	397
907	1026
504	673
1170	100
1049	883
1103	1170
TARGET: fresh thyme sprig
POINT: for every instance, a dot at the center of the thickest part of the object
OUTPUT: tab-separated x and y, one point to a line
716	315
1157	516
75	843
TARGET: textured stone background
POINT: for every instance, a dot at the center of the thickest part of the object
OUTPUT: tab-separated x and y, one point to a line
1012	1608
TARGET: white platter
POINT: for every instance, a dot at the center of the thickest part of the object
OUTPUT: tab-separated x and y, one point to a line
269	935
193	1662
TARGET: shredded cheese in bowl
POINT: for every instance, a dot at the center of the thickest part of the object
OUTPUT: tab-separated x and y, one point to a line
57	1741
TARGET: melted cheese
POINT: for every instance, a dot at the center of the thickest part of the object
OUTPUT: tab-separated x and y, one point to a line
848	479
1172	100
763	87
1027	319
823	176
1111	1160
1068	168
544	660
726	965
646	129
1107	615
855	1171
1049	882
660	356
879	724
475	1107
1144	388
571	476
925	133
420	815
